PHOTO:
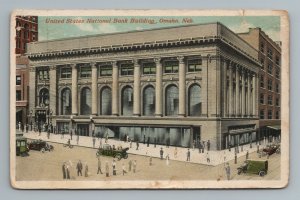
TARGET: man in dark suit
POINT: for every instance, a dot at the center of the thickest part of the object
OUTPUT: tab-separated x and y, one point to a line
79	168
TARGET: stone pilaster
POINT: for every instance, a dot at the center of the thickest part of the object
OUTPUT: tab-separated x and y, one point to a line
243	92
158	88
137	89
94	89
237	92
53	89
249	112
254	97
182	87
230	99
115	89
224	88
74	90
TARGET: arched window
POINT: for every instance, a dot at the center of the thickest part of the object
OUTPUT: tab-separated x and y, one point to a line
171	100
105	101
127	101
85	101
66	102
149	101
194	104
44	97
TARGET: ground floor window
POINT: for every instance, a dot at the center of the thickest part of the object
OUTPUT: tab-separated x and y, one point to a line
62	127
83	129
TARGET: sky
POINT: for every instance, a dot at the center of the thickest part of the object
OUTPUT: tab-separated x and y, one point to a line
49	31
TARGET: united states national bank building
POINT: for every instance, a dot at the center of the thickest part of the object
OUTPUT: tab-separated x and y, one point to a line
174	85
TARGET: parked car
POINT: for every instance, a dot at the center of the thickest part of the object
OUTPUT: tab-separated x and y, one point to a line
40	145
271	149
259	167
108	150
21	146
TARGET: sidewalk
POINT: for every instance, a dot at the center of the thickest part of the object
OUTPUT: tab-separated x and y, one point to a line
216	157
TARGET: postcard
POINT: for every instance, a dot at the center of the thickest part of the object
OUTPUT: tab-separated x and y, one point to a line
149	99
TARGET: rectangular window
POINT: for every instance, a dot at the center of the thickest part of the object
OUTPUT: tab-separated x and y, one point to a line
262	47
149	68
262	81
85	71
106	70
270	53
194	65
270	68
277	102
277	114
270	100
18	95
270	114
277	74
277	60
66	72
127	69
270	84
262	62
262	114
262	98
277	88
171	67
18	80
43	74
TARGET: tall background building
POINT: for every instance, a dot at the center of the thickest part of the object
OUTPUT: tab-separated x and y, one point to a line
269	55
26	31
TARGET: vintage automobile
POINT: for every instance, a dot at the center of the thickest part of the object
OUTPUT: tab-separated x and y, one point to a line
271	149
108	150
40	145
259	167
21	146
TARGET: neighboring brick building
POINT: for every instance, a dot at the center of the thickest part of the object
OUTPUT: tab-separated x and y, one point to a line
269	80
26	31
176	85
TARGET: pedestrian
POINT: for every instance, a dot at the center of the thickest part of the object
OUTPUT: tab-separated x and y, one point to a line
134	166
188	155
242	148
130	144
203	146
175	152
94	141
148	141
137	145
124	169
238	149
77	139
235	158
257	148
64	170
67	171
167	159
79	168
19	126
155	142
86	170
62	134
150	161
194	144
144	141
48	133
40	131
227	170
168	142
106	138
224	157
161	153
200	147
127	138
247	155
71	134
130	165
99	166
106	169
208	145
114	167
207	158
100	145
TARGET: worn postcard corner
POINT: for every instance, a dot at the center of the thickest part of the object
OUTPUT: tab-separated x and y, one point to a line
149	99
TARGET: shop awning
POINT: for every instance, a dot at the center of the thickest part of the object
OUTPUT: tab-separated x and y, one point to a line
276	127
19	110
239	131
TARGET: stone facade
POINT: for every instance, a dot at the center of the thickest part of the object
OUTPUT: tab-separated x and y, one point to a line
170	85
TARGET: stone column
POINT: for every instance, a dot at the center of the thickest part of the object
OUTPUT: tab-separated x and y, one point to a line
52	91
237	92
249	95
137	89
182	86
254	95
230	99
94	89
158	89
224	88
32	89
74	90
115	89
243	92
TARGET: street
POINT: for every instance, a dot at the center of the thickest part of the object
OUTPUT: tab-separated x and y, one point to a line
48	166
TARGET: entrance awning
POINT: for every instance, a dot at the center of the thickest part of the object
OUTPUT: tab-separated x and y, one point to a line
19	110
240	131
276	127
